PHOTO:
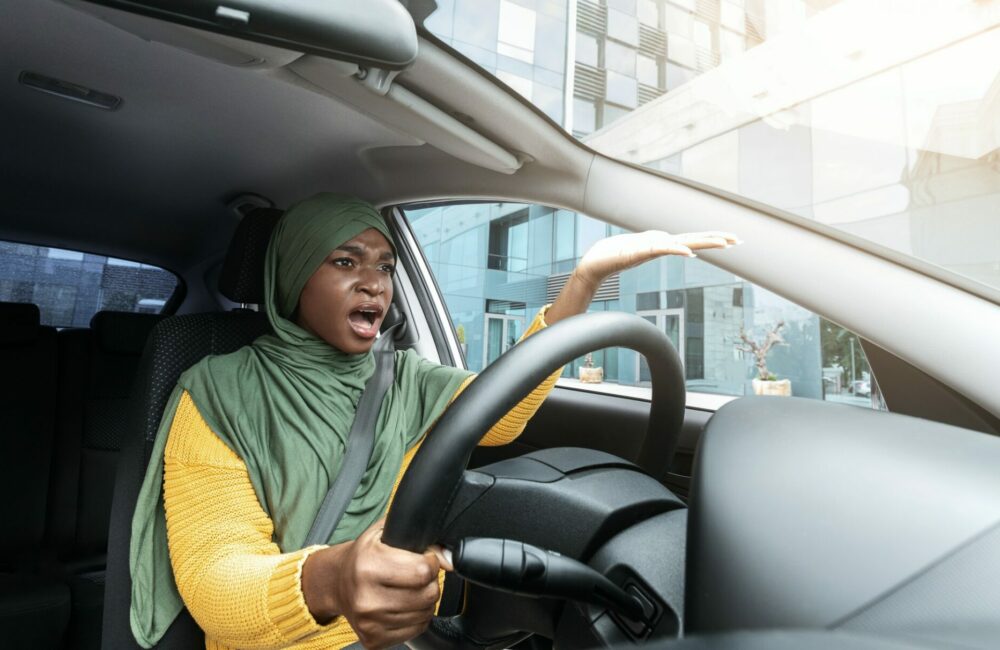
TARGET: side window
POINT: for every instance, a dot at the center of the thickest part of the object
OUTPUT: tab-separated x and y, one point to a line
497	264
69	287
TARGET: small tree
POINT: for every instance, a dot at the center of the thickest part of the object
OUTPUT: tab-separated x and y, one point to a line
760	350
460	333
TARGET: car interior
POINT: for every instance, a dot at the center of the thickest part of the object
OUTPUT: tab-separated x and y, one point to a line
176	135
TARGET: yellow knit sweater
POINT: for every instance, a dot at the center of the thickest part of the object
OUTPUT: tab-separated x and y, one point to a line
237	584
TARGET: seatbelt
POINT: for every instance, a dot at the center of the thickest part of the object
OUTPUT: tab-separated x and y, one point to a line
360	441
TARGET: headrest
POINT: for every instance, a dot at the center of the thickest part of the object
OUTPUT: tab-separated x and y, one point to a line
122	332
19	322
242	277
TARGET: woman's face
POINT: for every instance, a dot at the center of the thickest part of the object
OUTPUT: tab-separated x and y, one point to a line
345	300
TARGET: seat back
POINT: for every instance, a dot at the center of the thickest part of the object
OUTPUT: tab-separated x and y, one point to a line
27	429
97	368
176	344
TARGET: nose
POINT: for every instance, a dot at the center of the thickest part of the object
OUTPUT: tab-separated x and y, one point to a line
371	282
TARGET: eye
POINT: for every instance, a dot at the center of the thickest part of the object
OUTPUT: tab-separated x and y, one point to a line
344	262
388	268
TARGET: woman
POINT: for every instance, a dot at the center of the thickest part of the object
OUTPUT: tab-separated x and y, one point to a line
250	442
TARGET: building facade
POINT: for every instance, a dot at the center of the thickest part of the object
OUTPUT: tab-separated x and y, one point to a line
589	65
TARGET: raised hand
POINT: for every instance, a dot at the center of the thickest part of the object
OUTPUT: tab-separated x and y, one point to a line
615	254
621	252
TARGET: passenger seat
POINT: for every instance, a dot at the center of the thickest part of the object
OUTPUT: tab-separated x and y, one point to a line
34	610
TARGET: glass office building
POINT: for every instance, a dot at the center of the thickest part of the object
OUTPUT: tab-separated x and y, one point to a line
594	67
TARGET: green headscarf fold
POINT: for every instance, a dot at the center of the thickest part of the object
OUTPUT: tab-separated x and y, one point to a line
285	405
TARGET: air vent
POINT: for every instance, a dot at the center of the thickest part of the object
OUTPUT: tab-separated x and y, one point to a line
652	42
648	93
589	82
71	91
591	18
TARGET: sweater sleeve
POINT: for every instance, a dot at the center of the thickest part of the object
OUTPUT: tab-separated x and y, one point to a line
234	580
511	425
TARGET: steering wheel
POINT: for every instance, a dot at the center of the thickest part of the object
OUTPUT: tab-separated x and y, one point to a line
416	518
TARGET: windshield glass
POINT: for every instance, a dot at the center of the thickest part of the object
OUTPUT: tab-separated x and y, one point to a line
876	117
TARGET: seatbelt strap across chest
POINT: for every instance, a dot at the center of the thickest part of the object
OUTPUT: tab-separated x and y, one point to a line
360	441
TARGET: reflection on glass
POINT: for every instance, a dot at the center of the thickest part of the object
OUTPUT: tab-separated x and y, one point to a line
619	58
586	49
888	132
621	90
516	33
584	116
498	263
648	71
623	27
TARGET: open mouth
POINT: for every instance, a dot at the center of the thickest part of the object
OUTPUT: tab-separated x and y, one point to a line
365	320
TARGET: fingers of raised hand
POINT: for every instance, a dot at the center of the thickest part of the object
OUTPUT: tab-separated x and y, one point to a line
654	243
709	239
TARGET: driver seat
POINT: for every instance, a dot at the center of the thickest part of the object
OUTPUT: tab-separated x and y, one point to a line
174	345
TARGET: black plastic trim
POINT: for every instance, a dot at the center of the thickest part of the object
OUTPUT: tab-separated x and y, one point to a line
398	225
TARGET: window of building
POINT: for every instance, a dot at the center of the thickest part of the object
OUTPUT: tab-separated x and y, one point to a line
648	71
731	45
678	21
626	6
69	287
563	240
516	32
508	243
504	323
587	49
677	76
584	116
680	50
704	310
623	27
732	16
702	35
649	13
517	82
612	114
621	90
619	58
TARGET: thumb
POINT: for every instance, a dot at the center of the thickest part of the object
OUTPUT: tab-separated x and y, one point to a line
443	556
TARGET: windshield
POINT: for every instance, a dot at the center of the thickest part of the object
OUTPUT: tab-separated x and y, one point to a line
876	117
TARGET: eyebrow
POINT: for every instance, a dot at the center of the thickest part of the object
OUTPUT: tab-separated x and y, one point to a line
360	251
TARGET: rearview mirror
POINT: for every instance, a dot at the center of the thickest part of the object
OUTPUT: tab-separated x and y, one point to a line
377	33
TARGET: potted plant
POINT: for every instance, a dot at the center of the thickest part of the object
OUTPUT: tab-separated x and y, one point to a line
766	382
460	335
588	373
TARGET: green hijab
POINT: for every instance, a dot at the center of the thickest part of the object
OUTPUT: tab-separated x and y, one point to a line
285	405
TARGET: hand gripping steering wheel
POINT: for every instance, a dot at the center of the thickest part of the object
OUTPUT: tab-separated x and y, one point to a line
416	518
